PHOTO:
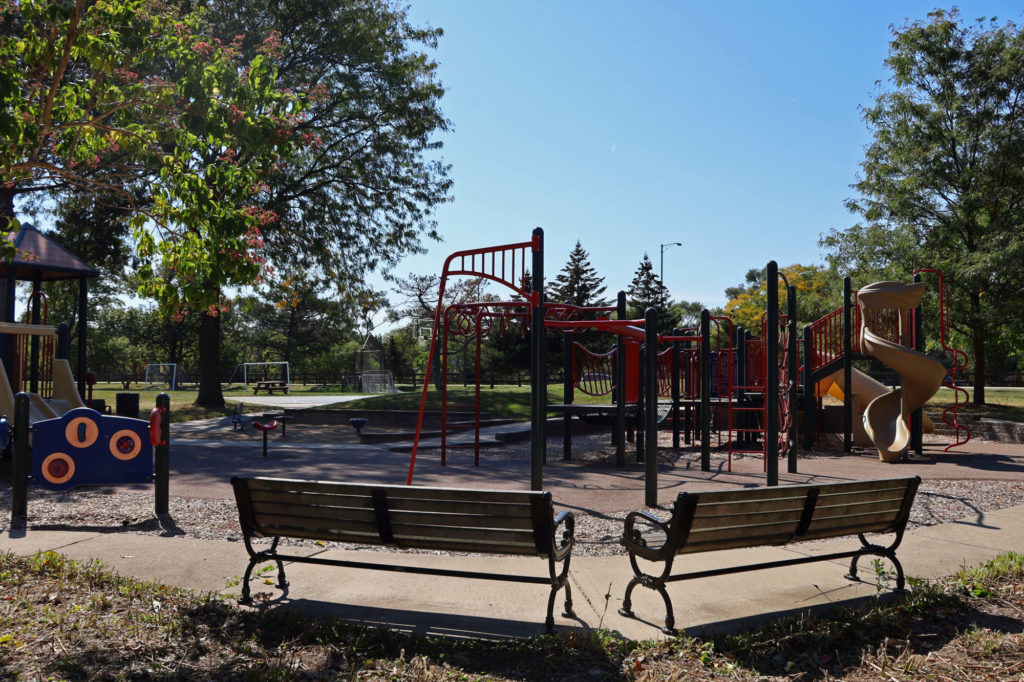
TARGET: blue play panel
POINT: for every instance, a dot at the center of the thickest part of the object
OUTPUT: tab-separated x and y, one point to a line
84	447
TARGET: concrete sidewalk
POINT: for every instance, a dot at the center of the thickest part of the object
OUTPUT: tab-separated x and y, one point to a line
431	605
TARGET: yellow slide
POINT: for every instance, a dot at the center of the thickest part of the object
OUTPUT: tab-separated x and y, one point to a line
65	395
885	418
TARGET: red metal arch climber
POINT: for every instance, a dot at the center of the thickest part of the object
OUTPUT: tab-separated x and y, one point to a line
506	265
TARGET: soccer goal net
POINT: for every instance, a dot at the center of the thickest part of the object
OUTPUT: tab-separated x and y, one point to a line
256	372
377	381
162	375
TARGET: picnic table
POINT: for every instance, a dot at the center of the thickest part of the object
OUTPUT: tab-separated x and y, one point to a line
270	387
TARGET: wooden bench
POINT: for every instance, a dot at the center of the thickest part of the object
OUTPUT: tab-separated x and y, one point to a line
753	517
270	387
406	517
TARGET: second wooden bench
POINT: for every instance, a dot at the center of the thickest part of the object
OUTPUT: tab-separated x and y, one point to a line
779	515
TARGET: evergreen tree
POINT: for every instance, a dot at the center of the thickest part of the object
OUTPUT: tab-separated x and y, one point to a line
578	283
647	290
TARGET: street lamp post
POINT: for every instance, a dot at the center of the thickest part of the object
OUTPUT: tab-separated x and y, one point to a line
661	274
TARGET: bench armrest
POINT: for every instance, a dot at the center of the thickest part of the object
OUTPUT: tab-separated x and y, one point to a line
635	542
564	547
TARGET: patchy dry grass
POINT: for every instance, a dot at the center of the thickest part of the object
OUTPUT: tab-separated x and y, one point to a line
61	619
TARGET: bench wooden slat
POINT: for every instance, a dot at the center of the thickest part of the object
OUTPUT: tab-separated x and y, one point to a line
745	519
393	491
312	499
890	494
365	501
774	532
740	506
363	535
264	510
484	544
412	531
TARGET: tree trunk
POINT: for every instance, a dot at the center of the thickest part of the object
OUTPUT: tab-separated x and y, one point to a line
210	392
6	204
978	337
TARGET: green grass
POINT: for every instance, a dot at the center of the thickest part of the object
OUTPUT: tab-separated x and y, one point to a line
500	402
504	402
63	619
182	408
1000	403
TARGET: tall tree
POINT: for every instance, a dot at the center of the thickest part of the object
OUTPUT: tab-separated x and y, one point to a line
361	196
817	294
647	290
578	283
943	184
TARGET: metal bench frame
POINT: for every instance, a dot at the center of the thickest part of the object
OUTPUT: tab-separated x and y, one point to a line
293	508
807	521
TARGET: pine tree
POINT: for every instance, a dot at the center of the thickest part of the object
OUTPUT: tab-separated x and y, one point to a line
578	283
647	290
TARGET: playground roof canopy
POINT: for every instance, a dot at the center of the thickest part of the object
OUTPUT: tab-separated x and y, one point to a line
42	256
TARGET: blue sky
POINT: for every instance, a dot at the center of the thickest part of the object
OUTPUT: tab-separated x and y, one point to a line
731	127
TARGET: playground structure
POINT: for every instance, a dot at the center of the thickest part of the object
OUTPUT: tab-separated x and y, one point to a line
55	440
746	384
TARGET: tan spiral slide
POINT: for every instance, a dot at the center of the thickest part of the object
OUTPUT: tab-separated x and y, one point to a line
886	418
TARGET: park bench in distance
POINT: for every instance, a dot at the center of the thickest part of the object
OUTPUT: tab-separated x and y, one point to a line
406	517
754	517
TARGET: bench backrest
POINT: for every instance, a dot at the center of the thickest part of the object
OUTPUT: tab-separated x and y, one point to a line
750	517
410	517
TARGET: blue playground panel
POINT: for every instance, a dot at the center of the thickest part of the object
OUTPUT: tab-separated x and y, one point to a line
84	447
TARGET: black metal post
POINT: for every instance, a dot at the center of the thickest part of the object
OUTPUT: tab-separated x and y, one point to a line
37	302
63	341
740	348
676	374
810	398
771	392
620	387
162	455
793	358
916	422
705	390
567	395
20	461
539	387
83	326
651	391
847	366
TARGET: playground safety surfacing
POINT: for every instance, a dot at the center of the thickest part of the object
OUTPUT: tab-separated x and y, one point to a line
202	463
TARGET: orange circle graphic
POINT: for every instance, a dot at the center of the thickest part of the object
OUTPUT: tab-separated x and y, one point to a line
75	439
125	444
58	468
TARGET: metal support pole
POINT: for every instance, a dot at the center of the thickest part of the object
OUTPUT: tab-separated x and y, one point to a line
847	366
162	455
676	374
63	341
20	462
83	326
539	386
567	395
620	388
771	380
705	390
37	300
793	359
916	422
651	391
740	348
810	399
